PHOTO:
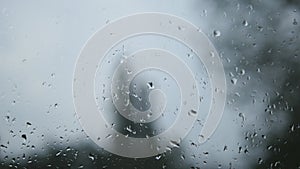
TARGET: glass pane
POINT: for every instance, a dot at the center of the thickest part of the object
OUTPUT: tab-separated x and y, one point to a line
140	84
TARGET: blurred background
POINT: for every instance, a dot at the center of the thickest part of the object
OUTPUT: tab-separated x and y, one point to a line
258	42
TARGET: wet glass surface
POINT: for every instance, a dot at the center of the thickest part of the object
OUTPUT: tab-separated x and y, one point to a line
257	42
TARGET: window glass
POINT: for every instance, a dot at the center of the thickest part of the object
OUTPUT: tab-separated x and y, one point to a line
196	53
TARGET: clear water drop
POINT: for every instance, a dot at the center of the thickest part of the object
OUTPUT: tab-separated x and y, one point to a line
233	81
150	85
245	23
295	22
174	143
58	153
24	136
28	124
158	157
242	72
216	33
192	112
91	156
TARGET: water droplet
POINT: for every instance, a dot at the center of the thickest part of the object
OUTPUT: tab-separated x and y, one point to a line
258	70
212	54
58	153
158	157
182	157
277	163
150	85
292	128
28	124
204	12
250	7
129	71
245	23
233	81
295	22
3	146
225	148
91	156
181	28
158	148
242	116
126	102
201	138
216	33
242	72
24	136
240	149
7	118
192	112
260	28
168	148
108	136
174	143
128	128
